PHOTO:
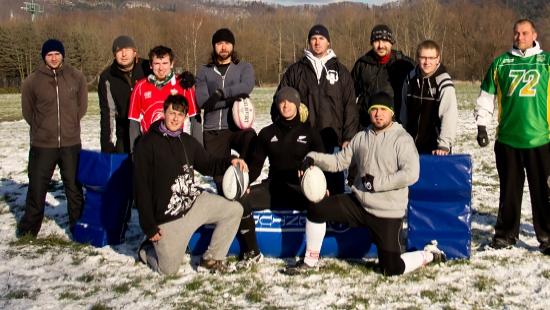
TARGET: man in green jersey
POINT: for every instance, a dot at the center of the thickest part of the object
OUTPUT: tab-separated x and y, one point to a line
519	80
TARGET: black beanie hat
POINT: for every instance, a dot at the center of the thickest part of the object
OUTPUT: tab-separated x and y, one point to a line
52	45
290	94
381	32
123	42
381	99
223	34
320	30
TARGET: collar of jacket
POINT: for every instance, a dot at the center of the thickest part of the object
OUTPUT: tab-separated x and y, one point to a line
528	52
370	58
46	70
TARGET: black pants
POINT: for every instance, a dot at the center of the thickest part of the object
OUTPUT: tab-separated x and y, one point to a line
512	164
220	142
42	162
385	232
273	195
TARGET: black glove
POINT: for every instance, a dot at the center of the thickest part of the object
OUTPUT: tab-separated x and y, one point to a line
368	182
306	163
210	103
482	137
186	80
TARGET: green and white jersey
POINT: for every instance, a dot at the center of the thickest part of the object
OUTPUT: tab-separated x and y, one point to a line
520	82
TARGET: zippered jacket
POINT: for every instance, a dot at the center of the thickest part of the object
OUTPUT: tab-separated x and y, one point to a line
53	103
237	82
390	156
429	111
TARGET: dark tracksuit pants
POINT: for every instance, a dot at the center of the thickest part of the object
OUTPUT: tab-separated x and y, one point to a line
512	164
42	162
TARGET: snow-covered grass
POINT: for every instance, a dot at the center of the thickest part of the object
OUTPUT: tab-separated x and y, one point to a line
53	272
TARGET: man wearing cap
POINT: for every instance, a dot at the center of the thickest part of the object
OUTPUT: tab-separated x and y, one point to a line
149	94
222	80
285	143
326	88
114	88
387	163
54	99
380	69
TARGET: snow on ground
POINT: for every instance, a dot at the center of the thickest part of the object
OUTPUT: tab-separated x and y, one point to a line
56	273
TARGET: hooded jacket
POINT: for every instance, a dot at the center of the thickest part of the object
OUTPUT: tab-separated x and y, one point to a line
330	99
390	156
114	91
238	81
370	77
164	176
53	103
429	111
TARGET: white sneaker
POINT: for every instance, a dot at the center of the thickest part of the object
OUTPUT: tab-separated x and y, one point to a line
249	259
439	256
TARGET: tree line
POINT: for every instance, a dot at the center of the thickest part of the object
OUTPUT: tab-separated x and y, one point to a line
471	34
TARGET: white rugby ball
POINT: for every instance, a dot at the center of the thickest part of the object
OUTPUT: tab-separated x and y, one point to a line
243	113
314	184
235	183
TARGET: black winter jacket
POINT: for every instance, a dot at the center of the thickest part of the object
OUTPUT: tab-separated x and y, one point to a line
286	144
332	108
114	100
164	177
369	77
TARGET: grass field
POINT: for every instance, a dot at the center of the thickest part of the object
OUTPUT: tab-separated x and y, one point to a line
53	272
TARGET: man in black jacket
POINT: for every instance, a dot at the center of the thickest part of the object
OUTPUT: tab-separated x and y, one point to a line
171	206
286	143
115	87
380	69
326	88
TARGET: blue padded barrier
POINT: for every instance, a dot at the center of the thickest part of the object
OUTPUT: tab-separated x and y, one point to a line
107	179
440	205
281	233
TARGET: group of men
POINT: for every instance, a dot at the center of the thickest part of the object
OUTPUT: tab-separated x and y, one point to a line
374	121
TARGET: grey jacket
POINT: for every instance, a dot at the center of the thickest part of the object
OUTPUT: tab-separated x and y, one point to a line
390	156
237	82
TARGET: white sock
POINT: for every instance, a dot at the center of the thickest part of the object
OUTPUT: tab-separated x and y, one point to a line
315	233
416	259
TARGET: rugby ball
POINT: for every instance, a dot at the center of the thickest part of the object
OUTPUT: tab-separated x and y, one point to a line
304	112
243	113
235	182
314	184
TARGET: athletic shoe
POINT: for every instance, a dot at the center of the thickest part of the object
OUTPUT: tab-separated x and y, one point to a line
214	266
249	259
142	251
500	243
545	248
439	256
301	268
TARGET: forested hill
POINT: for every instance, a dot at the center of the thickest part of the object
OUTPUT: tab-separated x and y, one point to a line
533	9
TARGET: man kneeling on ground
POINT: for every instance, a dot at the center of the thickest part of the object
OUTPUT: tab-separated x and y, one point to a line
387	163
171	206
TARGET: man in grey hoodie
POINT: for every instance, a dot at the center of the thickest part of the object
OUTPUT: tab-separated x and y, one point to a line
387	163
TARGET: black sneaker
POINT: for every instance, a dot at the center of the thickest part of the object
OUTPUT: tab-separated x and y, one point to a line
499	243
214	266
249	259
301	268
439	256
142	251
545	248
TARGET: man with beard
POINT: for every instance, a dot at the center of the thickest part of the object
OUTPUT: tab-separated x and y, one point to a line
54	99
429	111
219	83
114	89
380	69
387	163
326	88
147	101
519	81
